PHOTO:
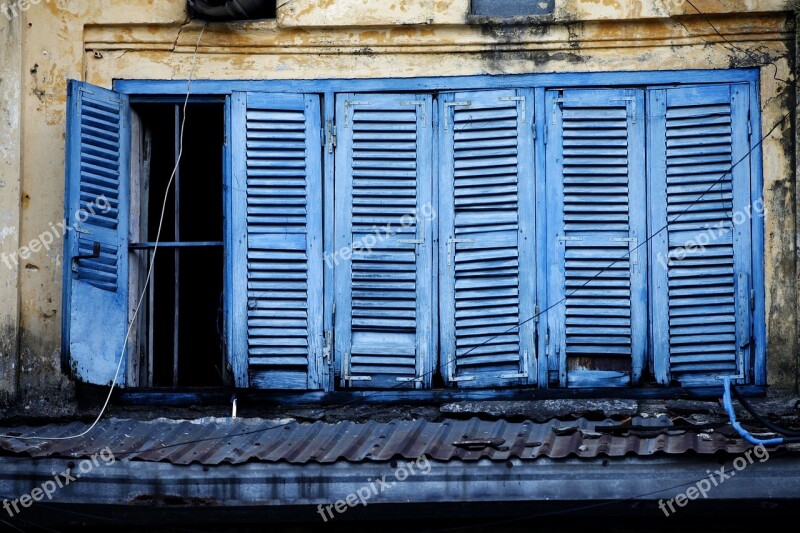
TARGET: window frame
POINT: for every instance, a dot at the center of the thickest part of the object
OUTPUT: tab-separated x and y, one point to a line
164	90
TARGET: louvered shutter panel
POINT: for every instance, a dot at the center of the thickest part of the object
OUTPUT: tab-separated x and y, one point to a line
486	239
277	181
596	222
383	250
95	303
702	224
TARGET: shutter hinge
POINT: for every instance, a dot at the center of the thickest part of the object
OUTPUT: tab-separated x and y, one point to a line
410	380
629	100
752	300
349	104
536	314
451	252
452	375
347	376
749	128
521	375
421	229
327	350
447	111
330	128
421	105
634	244
521	100
547	343
556	101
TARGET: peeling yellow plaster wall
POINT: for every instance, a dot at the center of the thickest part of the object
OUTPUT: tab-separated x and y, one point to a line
147	39
355	13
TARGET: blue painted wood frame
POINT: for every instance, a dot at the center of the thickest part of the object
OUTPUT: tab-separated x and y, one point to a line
328	375
759	349
229	267
545	362
452	83
236	233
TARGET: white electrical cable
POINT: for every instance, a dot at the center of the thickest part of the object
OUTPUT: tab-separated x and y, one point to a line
149	270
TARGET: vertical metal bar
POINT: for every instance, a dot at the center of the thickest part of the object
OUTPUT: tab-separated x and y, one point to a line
176	323
150	320
144	268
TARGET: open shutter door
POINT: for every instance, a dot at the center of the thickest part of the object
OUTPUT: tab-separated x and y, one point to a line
702	224
383	253
277	204
487	239
95	301
596	222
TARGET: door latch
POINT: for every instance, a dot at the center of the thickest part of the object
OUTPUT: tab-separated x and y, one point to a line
94	255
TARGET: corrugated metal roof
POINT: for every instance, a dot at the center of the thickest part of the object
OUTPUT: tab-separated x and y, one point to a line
219	440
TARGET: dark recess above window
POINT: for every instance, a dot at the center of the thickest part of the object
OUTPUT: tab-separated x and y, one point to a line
232	9
511	8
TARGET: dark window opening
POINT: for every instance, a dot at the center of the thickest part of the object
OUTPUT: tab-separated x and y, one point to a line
512	8
180	329
233	9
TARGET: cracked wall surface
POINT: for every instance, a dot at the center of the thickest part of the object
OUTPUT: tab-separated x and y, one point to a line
148	39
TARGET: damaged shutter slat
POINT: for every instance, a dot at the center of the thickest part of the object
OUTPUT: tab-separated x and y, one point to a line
596	221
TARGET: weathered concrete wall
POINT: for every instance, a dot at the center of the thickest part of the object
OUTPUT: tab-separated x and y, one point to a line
100	41
10	164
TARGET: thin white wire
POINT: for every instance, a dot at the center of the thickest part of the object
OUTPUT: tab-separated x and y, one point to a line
149	270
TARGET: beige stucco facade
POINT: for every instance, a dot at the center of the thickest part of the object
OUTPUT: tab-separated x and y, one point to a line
99	41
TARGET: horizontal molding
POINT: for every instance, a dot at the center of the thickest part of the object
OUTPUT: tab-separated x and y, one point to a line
267	38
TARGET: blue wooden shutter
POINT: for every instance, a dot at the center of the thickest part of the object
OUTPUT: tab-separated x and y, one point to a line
383	261
277	240
596	187
701	266
486	239
95	301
